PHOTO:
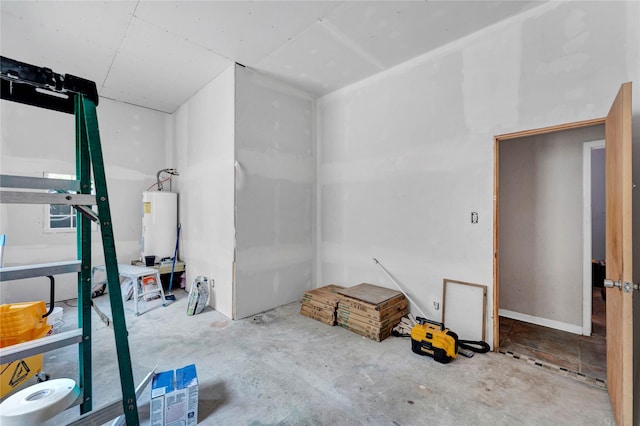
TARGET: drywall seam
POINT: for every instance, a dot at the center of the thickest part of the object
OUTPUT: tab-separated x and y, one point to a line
131	104
318	196
453	46
315	217
343	39
169	145
237	169
269	82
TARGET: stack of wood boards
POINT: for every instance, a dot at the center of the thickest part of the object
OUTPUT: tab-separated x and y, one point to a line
370	310
321	303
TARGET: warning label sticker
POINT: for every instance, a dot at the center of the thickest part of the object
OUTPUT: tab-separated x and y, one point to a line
20	374
16	373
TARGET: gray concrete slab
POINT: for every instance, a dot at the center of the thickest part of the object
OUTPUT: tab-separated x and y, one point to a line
280	368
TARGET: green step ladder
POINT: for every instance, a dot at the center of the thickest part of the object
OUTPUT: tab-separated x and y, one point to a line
41	87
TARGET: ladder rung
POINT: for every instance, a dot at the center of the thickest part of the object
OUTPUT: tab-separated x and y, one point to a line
100	416
112	410
28	182
24	197
9	273
38	346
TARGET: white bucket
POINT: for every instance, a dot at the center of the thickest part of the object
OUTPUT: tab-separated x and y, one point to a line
55	320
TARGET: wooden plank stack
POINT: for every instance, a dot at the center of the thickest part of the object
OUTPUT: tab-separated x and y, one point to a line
370	311
321	303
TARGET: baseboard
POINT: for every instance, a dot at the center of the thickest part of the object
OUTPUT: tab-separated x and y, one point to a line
558	325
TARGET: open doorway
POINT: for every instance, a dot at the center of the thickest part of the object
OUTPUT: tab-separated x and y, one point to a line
594	183
546	310
619	247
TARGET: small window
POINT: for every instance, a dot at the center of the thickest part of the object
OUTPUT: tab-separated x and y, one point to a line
61	217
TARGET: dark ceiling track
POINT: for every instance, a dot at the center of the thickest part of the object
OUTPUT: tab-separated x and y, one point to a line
41	87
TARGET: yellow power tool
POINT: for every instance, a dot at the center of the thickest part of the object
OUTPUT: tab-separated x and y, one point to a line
430	338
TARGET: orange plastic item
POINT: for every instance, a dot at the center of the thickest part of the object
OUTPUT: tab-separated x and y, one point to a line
21	322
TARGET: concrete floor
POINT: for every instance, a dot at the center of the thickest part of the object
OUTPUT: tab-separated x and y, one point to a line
281	368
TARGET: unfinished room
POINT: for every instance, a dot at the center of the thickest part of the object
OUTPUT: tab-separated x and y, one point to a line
319	212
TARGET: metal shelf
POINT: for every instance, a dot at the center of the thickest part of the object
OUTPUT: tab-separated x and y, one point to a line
25	197
38	346
10	273
47	184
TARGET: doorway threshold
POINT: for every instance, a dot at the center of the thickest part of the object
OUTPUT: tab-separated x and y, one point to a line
556	369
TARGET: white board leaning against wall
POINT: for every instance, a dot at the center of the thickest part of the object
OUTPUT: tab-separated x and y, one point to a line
464	309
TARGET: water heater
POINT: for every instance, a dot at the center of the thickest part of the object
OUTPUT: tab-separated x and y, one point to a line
159	223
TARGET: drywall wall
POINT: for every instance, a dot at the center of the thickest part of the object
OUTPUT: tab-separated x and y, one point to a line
35	141
540	222
244	149
275	193
598	205
407	155
203	152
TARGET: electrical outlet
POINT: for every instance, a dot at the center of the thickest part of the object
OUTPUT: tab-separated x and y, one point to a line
436	305
474	217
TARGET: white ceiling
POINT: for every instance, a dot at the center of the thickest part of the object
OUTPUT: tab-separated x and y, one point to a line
157	54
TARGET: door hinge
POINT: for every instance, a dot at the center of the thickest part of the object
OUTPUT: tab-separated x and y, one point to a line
626	286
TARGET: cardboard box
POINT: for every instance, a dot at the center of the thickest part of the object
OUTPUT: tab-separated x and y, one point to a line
321	303
327	318
370	310
325	295
346	317
187	380
317	306
375	315
174	397
161	384
370	297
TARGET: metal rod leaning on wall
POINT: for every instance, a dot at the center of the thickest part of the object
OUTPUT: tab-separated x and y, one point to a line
393	280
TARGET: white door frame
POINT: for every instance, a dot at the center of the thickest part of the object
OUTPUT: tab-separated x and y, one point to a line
587	149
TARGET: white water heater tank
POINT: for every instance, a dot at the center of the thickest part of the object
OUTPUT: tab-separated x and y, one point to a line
159	223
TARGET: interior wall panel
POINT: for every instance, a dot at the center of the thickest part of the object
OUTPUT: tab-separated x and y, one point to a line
425	129
204	155
275	194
